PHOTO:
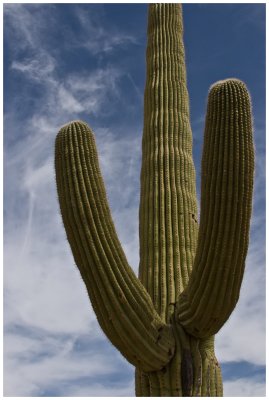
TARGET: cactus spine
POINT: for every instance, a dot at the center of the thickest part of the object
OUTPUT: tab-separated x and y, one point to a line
164	323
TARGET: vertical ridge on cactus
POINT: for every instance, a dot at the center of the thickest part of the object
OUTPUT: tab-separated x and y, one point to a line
189	277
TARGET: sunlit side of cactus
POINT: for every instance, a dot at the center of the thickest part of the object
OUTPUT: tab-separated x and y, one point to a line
189	276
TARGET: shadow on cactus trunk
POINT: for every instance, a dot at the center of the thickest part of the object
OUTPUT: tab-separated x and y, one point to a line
189	276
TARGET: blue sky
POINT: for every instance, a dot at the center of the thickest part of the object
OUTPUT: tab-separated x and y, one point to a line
86	61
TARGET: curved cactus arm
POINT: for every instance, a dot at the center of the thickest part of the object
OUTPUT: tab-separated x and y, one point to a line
123	307
226	202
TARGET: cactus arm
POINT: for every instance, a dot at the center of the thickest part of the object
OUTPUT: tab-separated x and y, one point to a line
226	202
124	309
168	205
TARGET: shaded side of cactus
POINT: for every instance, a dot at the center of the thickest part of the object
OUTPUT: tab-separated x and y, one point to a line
189	276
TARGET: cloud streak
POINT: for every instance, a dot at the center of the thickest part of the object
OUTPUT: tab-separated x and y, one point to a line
52	362
95	38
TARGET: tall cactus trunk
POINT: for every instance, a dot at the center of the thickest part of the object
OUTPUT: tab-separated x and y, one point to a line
168	207
189	279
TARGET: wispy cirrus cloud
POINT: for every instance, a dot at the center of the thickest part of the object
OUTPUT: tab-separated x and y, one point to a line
95	38
242	387
26	26
46	362
39	68
87	91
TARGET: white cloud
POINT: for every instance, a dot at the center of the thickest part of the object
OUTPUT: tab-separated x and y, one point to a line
105	43
38	67
95	38
19	22
42	287
98	390
43	362
244	387
68	102
95	92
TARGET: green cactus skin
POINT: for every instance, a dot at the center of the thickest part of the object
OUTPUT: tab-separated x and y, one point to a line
164	322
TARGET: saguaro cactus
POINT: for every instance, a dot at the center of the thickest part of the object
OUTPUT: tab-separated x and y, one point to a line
189	279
